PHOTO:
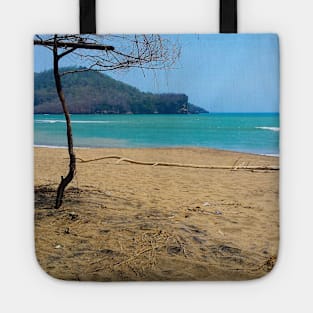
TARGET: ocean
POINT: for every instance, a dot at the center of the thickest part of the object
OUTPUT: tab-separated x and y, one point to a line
256	133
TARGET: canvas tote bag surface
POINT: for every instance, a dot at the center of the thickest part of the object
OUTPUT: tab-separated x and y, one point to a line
156	156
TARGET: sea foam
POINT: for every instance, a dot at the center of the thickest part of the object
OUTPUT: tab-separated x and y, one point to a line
274	129
73	122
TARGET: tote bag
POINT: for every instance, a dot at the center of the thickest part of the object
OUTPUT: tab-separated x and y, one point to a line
156	156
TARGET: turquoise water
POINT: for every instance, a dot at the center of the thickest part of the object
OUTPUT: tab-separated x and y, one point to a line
254	133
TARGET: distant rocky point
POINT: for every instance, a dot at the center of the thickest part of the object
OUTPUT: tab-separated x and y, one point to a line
92	92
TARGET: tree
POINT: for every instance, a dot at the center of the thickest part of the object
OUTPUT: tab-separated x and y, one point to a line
102	53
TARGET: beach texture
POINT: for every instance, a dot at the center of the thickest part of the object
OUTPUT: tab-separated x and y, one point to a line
126	221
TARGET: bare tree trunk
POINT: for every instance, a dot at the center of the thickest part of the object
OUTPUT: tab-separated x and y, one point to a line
72	165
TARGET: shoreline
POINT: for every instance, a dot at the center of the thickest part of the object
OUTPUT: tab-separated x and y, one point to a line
165	147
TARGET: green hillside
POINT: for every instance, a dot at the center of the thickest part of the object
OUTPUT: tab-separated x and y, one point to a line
92	92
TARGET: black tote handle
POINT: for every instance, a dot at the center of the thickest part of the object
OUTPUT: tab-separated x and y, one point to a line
228	16
87	22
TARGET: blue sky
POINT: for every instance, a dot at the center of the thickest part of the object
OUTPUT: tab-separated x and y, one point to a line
221	73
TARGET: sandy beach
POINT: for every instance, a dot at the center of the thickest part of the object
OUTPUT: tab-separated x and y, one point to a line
124	221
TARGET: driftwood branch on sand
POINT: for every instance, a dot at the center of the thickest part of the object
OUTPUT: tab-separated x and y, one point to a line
213	167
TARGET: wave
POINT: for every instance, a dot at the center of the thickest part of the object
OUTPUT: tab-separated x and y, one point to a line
276	155
73	122
274	129
56	147
49	121
50	146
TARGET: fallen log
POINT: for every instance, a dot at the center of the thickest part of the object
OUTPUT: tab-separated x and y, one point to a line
213	167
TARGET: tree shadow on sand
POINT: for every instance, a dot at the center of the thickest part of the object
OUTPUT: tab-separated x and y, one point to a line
45	196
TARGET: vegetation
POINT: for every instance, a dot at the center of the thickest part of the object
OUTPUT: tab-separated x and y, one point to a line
93	92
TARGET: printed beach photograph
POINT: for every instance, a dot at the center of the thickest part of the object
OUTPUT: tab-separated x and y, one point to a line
156	157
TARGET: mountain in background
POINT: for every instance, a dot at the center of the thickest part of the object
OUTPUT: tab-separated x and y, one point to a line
92	92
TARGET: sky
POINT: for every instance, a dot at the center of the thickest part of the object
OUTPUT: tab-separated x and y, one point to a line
221	72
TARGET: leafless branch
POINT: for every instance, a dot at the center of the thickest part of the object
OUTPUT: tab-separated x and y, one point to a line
76	45
114	52
66	53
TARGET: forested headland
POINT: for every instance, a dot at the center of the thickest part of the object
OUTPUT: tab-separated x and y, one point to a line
93	92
